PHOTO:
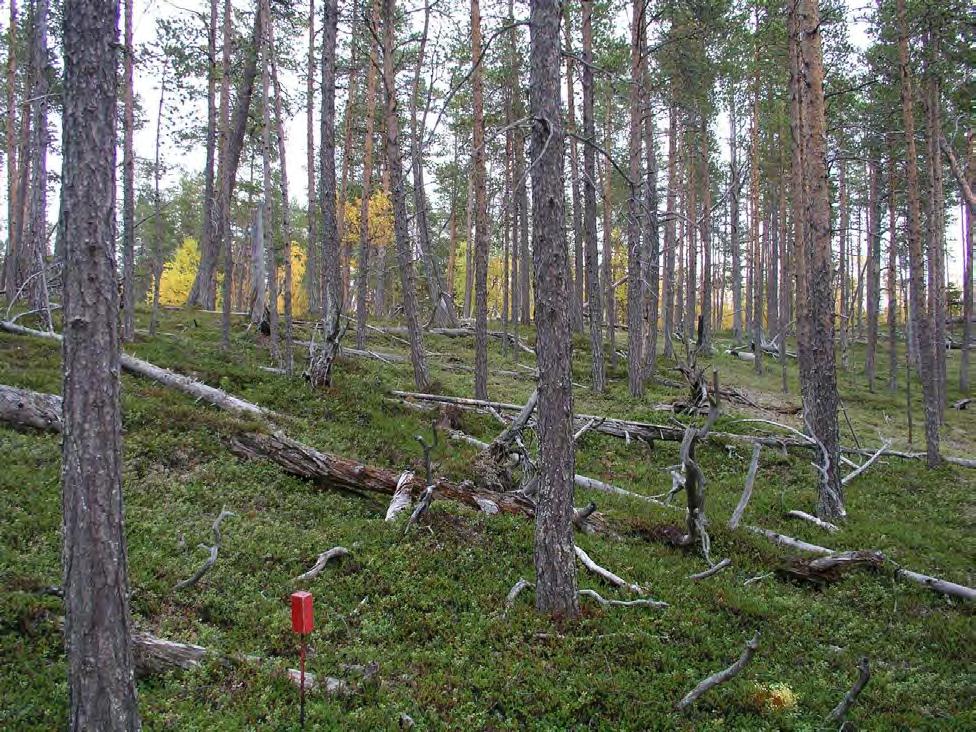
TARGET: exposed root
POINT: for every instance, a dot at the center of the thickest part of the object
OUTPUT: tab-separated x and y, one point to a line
325	557
642	602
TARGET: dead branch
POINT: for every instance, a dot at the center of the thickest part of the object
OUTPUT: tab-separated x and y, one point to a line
863	676
825	525
832	567
606	574
789	541
867	463
740	508
325	557
594	422
212	559
712	570
522	584
722	676
642	602
426	498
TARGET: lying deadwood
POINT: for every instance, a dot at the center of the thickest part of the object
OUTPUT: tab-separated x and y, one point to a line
935	584
492	464
863	676
197	389
962	403
694	479
401	496
154	655
789	541
517	588
640	602
461	332
831	568
605	574
332	471
867	464
804	516
23	408
740	508
336	552
213	549
711	570
586	428
722	676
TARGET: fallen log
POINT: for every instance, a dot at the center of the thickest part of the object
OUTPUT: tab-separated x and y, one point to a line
23	408
722	676
832	567
332	471
197	389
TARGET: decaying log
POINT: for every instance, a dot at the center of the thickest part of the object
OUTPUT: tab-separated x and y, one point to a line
641	602
747	491
401	496
605	574
197	389
789	541
154	655
711	570
804	516
325	557
863	676
832	567
23	408
722	676
331	471
962	403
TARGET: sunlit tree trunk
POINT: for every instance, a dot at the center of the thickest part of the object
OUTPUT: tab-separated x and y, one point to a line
481	232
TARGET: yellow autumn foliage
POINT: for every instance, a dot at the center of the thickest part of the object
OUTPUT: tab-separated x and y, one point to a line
380	226
179	272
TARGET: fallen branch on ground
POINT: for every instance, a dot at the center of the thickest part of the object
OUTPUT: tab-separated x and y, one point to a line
522	584
803	515
213	549
642	602
867	464
863	676
722	676
832	567
606	574
325	557
747	491
712	570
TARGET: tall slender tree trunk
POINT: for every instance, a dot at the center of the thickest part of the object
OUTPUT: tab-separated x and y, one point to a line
734	245
289	355
670	243
635	279
203	293
555	560
651	249
576	299
756	264
157	243
594	306
313	269
226	241
469	245
842	267
522	199
403	248
128	184
921	322
481	212
10	259
816	346
320	369
362	259
97	627
35	249
892	270
873	273
270	244
936	214
352	96
967	271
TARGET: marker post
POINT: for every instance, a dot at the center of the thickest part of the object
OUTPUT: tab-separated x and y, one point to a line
302	622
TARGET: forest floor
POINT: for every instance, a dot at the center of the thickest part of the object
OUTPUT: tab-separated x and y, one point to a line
426	606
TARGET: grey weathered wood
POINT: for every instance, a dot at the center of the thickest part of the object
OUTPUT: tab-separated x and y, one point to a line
720	677
864	675
605	574
23	408
747	490
336	552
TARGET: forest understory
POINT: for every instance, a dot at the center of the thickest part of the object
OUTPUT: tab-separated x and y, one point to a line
414	625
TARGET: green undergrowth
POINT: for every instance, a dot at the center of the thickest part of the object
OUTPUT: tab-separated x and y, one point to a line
427	606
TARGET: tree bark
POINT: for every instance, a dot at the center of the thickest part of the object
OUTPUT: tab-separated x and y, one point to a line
873	273
921	323
23	408
481	232
289	355
226	242
670	242
577	289
816	344
935	250
594	306
320	369
555	559
403	249
635	279
128	175
892	271
362	265
97	631
734	218
10	283
967	272
270	243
